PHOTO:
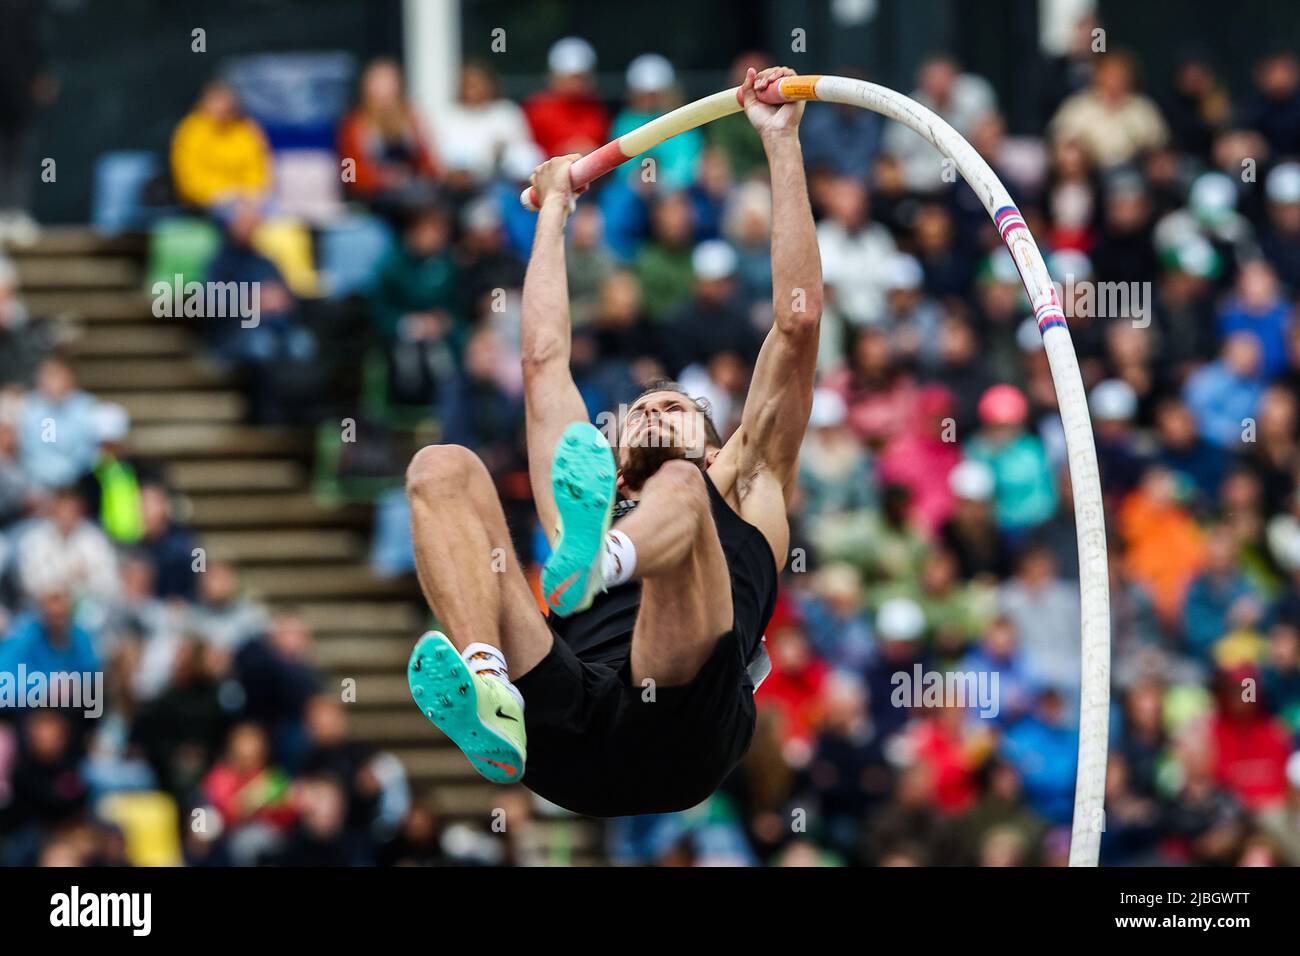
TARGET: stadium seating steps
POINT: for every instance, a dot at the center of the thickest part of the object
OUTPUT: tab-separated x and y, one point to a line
247	491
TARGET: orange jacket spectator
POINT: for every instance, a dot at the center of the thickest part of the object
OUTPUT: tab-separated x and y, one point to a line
382	136
383	161
1165	547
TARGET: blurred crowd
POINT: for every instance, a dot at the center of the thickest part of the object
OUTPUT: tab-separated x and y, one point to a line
932	529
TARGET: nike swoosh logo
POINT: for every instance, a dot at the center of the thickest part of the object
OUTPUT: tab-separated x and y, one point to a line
553	599
506	716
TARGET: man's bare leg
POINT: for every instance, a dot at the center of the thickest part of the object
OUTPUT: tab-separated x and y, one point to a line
685	586
466	563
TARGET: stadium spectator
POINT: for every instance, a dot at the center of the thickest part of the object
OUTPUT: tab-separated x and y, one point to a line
568	117
1043	749
15	487
1224	394
251	795
219	155
1112	121
222	618
1199	106
959	98
856	254
65	550
56	427
841	140
24	340
652	91
663	266
170	548
417	308
271	344
49	640
1024	491
711	321
1274	109
393	166
475	131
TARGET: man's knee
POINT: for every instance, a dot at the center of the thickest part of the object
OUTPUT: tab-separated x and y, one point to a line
437	469
685	482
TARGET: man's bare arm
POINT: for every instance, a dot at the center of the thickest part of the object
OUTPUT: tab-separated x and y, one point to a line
776	410
551	399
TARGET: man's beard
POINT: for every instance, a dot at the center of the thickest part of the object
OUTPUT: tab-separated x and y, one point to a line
642	461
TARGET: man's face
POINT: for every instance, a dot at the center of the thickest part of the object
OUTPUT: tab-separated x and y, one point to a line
56	611
660	427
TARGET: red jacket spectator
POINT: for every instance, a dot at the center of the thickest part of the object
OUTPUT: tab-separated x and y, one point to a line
941	744
794	688
567	122
1250	754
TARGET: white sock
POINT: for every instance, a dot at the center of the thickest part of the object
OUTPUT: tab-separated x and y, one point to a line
619	561
486	659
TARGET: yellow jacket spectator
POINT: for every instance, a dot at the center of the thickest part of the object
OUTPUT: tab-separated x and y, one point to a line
218	154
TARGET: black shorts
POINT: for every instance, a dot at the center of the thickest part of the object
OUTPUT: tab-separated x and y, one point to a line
596	746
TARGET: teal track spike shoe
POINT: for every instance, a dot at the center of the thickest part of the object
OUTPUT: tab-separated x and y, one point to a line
477	709
584	482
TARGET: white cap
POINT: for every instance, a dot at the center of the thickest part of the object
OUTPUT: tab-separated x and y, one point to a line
1002	267
1283	184
571	55
828	409
1028	336
1283	536
971	481
713	259
1212	197
900	619
650	73
1196	256
1069	264
1113	401
110	422
482	213
903	272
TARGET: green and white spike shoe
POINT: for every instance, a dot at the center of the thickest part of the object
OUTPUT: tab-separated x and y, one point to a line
471	700
584	482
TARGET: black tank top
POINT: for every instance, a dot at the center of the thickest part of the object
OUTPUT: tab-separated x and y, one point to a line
603	632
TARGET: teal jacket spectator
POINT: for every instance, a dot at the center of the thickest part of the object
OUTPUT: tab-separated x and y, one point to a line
675	159
1206	612
1024	492
416	285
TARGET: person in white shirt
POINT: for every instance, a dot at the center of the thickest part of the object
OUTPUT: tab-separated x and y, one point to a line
474	132
64	550
857	254
960	98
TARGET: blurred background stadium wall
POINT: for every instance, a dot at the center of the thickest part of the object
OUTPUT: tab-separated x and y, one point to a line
205	505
